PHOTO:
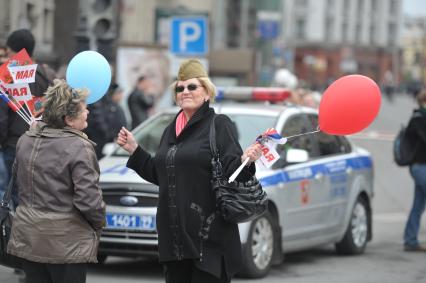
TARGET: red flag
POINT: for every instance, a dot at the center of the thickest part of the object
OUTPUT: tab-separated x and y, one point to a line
19	59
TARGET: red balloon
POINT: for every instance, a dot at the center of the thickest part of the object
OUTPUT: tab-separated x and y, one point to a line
349	105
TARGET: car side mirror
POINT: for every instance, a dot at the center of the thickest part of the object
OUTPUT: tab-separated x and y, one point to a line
109	148
291	156
294	155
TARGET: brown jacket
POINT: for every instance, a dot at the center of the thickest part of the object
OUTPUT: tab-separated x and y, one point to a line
61	211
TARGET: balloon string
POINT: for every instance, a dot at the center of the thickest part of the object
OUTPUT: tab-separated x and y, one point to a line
308	133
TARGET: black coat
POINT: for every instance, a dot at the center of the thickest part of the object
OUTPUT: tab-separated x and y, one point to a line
182	169
139	103
416	130
104	121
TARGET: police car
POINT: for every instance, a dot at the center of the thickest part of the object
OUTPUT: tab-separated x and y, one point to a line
320	190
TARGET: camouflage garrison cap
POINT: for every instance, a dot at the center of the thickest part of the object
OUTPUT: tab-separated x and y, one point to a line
190	69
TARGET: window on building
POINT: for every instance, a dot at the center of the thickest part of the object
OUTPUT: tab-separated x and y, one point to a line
345	32
359	20
361	6
417	57
234	17
301	3
31	16
358	33
346	8
252	24
393	7
329	21
300	29
5	18
47	26
373	5
391	34
372	34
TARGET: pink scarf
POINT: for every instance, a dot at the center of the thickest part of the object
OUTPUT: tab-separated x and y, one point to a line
180	123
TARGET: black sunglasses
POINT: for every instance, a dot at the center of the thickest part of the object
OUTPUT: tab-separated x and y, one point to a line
190	87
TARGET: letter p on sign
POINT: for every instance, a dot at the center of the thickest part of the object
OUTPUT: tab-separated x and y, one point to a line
189	36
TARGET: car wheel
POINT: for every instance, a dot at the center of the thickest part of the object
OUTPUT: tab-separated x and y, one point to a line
356	235
259	249
102	258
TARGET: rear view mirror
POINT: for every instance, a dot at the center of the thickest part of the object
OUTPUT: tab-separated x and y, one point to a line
296	155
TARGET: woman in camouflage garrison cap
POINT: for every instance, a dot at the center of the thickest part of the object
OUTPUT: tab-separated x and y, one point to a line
195	244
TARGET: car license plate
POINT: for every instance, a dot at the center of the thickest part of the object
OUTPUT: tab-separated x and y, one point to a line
140	222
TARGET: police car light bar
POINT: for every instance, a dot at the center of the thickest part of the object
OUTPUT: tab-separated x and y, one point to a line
245	94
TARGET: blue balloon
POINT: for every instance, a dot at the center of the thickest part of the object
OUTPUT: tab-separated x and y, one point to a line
89	69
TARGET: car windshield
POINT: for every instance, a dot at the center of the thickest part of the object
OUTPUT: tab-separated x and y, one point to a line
248	128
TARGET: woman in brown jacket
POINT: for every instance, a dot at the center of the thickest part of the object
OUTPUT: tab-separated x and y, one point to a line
61	212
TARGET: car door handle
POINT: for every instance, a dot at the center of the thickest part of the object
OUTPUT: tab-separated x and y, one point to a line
319	176
349	170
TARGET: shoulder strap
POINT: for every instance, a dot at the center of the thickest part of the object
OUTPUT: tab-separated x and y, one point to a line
213	147
8	193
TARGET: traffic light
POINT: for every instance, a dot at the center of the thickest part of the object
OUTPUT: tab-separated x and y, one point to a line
98	26
103	18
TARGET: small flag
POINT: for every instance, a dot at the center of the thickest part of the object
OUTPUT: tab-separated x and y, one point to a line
268	140
272	135
9	103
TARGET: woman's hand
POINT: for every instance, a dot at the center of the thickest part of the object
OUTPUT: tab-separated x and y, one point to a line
253	152
126	140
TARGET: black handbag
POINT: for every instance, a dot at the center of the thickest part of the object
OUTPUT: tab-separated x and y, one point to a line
236	202
6	219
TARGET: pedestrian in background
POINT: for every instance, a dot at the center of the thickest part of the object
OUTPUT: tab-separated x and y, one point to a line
98	129
56	228
140	102
182	170
106	119
389	85
416	130
115	114
11	125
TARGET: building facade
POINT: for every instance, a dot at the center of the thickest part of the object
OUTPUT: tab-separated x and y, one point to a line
36	15
414	52
319	40
331	38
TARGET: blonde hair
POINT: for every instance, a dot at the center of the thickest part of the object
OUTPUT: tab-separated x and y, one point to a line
61	100
205	82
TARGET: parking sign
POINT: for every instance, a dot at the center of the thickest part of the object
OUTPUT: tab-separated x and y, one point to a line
189	36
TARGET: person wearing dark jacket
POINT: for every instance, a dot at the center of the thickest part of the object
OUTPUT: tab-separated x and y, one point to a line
115	114
11	125
98	129
106	119
182	170
140	102
416	130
